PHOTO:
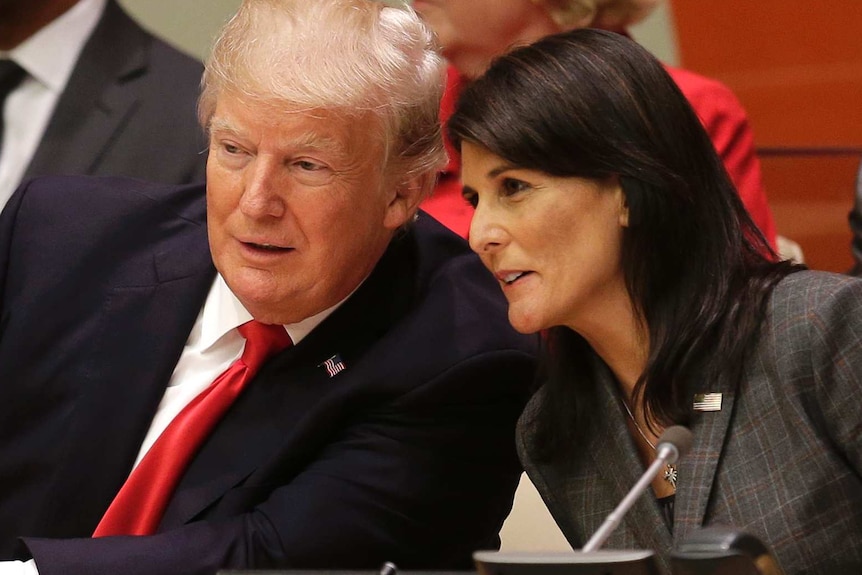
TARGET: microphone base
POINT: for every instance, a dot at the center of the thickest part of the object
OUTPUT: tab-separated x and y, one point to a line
602	562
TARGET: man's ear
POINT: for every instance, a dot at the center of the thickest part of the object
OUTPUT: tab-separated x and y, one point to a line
406	199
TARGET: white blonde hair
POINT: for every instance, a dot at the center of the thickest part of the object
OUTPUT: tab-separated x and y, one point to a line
349	56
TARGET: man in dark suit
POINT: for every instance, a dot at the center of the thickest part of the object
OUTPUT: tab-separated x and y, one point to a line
385	432
98	95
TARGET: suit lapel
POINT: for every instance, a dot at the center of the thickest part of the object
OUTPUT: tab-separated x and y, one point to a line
114	413
266	413
278	423
97	101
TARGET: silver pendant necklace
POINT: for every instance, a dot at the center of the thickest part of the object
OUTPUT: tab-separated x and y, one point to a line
670	473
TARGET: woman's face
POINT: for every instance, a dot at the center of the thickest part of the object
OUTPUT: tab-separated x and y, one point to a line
473	32
553	244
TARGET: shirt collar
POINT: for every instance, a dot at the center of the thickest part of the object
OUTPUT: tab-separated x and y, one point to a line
223	312
50	54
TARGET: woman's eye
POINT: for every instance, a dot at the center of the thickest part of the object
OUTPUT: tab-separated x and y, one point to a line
512	186
470	197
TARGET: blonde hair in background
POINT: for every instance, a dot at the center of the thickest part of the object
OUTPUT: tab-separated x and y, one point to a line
605	14
349	56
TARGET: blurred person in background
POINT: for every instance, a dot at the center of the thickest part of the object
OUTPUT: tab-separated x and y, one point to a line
85	90
473	33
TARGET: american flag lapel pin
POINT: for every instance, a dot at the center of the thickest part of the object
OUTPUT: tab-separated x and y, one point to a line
707	402
333	366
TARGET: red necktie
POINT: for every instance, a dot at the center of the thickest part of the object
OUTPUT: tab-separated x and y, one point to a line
138	507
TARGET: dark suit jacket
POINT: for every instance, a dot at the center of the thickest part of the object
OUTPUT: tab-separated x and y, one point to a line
781	460
407	455
129	109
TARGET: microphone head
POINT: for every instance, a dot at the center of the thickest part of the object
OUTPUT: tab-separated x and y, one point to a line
675	439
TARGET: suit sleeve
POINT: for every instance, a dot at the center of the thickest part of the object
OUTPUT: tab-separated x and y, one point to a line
422	481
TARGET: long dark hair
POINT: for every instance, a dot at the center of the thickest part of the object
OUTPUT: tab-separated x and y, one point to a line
593	104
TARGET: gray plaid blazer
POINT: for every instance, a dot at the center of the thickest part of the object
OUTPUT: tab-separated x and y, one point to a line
782	459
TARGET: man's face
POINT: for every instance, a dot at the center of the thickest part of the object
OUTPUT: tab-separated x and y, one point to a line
299	208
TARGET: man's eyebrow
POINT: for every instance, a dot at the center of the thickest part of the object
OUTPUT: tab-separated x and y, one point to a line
315	141
307	140
222	126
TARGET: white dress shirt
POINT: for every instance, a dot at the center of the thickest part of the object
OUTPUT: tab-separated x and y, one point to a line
49	57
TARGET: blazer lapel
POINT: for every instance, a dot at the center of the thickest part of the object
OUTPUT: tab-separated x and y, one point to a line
617	460
96	101
113	415
697	470
623	467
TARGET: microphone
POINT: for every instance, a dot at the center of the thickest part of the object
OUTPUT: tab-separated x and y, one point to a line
673	444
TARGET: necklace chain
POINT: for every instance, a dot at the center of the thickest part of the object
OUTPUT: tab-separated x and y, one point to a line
670	472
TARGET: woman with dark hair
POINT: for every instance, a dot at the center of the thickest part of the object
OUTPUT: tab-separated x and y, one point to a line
609	221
